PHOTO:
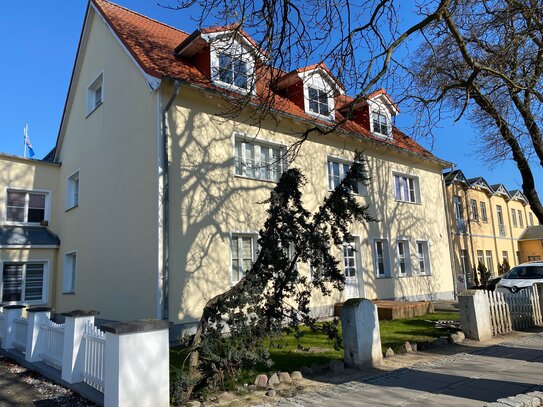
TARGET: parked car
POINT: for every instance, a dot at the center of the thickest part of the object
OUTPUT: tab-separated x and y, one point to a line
522	276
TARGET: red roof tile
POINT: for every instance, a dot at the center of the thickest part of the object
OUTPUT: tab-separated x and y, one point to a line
152	45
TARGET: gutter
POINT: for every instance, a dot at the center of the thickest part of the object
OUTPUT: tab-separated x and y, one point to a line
165	277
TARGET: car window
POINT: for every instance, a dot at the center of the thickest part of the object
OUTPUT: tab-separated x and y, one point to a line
515	272
535	272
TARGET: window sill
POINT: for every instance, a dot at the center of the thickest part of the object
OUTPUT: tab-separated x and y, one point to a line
10	223
232	88
93	110
424	275
407	202
354	193
255	179
382	136
71	207
68	293
330	118
384	277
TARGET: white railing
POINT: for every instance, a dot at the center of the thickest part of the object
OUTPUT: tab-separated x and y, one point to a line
53	344
20	325
2	317
513	311
93	370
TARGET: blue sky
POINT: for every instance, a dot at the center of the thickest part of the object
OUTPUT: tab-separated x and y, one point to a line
39	41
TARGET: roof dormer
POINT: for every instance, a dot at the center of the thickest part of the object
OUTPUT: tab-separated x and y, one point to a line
313	89
382	109
227	54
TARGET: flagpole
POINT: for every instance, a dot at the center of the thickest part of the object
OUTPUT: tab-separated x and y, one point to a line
24	139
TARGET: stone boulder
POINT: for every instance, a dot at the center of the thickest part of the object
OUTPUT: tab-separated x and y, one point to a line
389	353
274	380
261	381
296	375
284	377
458	337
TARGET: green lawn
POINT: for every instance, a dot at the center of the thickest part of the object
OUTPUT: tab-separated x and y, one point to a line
288	357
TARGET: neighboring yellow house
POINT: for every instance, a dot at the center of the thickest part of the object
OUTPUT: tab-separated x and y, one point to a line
148	234
530	244
486	223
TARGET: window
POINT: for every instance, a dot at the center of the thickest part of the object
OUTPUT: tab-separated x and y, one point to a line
489	262
258	160
349	258
318	101
380	123
480	257
23	282
337	171
70	266
518	257
501	225
95	96
72	190
382	266
406	188
484	216
520	219
243	254
316	270
423	256
26	207
402	251
233	71
535	258
514	218
465	266
505	256
474	210
531	216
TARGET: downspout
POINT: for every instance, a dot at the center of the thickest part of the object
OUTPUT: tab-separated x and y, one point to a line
166	206
449	232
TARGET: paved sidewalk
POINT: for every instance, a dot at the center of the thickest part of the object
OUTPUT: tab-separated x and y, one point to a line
465	379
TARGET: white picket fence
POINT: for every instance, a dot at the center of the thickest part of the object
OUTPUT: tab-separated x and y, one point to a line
53	344
95	343
516	311
20	326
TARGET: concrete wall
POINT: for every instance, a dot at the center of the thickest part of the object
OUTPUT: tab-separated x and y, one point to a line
114	230
208	203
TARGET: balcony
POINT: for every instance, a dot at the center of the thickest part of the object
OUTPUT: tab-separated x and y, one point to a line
502	230
461	226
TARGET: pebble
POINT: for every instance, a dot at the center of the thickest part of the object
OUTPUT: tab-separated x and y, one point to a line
271	393
274	380
284	377
408	347
296	375
261	381
389	353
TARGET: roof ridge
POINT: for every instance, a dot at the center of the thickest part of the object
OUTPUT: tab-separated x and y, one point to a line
142	15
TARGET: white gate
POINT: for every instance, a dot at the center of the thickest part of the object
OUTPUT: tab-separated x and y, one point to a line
93	371
510	311
20	325
53	344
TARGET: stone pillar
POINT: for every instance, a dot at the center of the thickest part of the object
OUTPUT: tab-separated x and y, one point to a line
34	338
73	356
475	315
361	335
11	312
137	363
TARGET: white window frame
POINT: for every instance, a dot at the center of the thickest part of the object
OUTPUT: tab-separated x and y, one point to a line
45	281
254	238
474	210
258	146
425	257
381	113
92	103
47	211
226	44
484	213
514	217
531	218
72	193
69	272
416	187
322	84
386	258
489	259
353	243
520	219
362	189
406	257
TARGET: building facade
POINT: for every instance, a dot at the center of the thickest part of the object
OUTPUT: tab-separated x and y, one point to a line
156	195
486	223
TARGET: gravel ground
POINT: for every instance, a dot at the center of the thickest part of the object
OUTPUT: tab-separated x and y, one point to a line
22	387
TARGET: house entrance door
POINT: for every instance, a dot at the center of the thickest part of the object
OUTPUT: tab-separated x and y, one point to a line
351	267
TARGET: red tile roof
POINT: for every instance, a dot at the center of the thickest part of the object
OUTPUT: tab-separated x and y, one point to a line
152	45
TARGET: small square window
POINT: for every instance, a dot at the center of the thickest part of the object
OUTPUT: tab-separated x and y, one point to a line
233	71
255	159
72	190
70	267
26	207
338	170
406	188
381	124
23	282
95	94
318	101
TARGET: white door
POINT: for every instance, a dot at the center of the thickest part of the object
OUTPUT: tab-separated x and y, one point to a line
351	268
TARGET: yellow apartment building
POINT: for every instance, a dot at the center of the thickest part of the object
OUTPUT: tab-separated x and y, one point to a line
486	222
154	194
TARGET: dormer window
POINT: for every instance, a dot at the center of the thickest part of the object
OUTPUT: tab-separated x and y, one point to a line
318	101
380	124
232	70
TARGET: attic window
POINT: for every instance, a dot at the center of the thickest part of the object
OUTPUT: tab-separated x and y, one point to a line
318	101
380	124
232	71
95	95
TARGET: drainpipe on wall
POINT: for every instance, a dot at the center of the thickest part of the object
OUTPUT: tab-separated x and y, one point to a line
449	238
166	205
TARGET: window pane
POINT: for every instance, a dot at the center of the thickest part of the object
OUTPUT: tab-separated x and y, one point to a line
249	160
235	248
36	215
15	214
34	282
397	188
238	165
12	282
16	199
247	249
265	163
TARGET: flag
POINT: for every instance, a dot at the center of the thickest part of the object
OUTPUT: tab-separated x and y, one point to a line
28	144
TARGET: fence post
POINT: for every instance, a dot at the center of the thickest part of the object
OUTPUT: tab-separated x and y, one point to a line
36	317
73	358
475	315
137	362
539	288
361	335
11	312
